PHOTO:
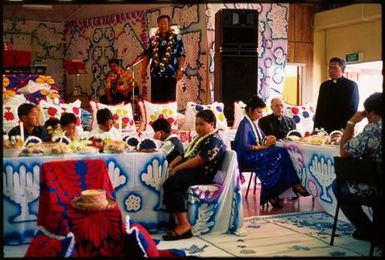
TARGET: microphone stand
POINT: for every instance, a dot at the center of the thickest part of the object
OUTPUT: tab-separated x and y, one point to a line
131	68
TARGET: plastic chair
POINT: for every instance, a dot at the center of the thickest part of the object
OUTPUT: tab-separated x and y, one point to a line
361	171
217	205
246	169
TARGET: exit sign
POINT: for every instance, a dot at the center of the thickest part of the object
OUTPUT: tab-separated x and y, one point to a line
354	57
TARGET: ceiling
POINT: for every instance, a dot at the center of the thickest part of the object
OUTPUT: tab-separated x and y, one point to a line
67	12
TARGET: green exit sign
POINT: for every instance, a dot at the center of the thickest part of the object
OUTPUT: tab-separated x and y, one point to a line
354	57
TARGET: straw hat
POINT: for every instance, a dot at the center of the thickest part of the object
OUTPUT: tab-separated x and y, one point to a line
92	200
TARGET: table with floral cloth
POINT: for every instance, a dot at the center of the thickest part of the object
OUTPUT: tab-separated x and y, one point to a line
315	168
136	177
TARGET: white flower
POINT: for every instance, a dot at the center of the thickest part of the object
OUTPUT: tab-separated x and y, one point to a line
133	203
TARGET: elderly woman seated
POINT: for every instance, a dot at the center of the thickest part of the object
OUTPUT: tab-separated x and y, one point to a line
198	165
272	164
367	144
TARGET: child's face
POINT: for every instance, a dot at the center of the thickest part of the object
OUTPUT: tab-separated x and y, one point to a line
70	130
159	135
106	126
32	119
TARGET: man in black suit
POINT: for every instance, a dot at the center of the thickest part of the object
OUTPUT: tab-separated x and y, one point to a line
337	100
276	123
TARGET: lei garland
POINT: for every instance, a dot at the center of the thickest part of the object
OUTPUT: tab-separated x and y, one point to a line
163	63
192	149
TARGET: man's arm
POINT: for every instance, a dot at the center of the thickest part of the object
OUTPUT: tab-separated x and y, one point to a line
318	111
180	70
349	132
145	62
354	100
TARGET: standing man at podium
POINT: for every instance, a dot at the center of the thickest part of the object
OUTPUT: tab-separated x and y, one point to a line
167	52
119	84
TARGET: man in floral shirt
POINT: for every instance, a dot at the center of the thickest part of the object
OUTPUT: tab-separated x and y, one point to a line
167	52
367	144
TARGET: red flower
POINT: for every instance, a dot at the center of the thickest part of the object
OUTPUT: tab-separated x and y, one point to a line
76	110
125	120
170	120
52	111
295	110
115	117
132	122
8	115
161	116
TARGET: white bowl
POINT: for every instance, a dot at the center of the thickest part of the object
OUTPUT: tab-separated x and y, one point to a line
12	152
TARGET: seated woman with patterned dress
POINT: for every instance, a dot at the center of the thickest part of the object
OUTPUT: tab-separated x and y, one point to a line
368	145
198	165
272	165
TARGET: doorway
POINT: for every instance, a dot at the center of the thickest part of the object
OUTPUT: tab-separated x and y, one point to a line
294	81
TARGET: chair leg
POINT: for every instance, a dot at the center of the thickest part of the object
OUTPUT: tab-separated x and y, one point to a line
371	248
248	186
335	223
255	182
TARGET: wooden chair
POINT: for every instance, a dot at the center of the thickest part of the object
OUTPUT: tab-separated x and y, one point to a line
362	171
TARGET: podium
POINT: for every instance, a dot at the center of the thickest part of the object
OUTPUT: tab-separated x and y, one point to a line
75	67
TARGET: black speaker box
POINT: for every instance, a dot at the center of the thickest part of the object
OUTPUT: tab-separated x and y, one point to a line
236	57
236	78
236	28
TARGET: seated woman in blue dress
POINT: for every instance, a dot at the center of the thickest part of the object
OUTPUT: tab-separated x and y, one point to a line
272	164
198	165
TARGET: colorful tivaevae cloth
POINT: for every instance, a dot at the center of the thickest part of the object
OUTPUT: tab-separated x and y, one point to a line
35	87
367	144
97	233
273	165
170	49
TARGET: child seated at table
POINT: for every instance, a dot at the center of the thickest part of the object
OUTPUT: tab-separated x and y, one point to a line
29	114
171	145
67	127
105	130
51	125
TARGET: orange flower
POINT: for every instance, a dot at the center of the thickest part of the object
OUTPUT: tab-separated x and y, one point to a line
45	79
53	95
8	93
5	81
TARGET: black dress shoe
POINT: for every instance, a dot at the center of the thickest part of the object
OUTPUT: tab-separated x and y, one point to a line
300	192
172	235
361	235
275	203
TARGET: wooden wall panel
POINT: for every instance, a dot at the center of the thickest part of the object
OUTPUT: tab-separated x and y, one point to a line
303	22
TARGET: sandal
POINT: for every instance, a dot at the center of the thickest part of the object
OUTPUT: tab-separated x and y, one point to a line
172	235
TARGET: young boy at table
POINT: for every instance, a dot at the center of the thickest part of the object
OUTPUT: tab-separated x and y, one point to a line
51	125
67	127
171	145
29	114
105	127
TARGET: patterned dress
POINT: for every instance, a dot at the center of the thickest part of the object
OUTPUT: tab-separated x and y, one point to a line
367	144
273	166
212	151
